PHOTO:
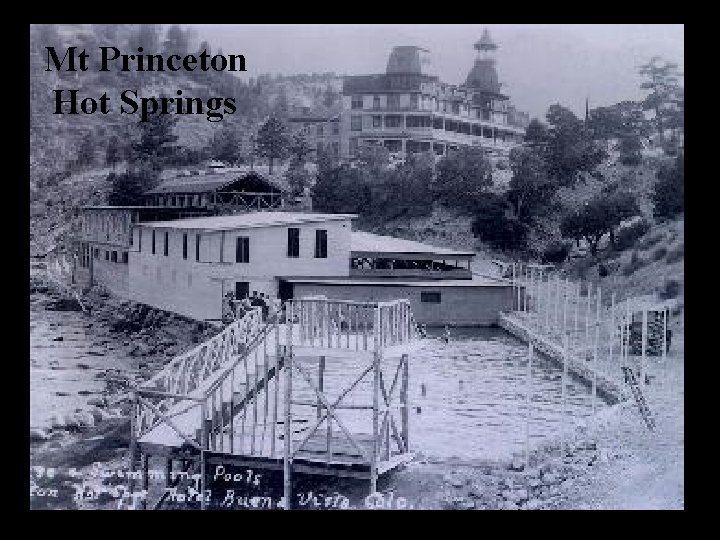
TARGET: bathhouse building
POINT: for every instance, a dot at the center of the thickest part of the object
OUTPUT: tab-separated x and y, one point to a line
188	266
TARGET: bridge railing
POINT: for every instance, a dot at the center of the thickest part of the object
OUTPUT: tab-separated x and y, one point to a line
360	326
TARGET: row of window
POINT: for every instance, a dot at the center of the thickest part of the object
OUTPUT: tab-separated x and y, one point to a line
415	101
413	122
112	255
242	245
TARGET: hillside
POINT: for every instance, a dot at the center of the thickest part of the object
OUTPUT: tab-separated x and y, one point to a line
68	152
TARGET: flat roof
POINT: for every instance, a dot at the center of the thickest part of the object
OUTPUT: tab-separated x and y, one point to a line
247	221
476	281
365	242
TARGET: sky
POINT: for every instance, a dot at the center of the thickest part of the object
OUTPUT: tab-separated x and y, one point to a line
538	64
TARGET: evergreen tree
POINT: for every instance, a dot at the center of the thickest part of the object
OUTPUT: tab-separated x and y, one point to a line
462	178
272	140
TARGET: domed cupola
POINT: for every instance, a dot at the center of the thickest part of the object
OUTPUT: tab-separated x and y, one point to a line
483	76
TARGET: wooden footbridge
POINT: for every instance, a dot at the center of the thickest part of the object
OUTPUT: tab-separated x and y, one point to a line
319	387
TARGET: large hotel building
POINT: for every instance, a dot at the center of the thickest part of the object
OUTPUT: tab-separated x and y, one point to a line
407	109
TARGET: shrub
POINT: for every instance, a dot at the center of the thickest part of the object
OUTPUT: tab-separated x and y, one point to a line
636	262
650	240
659	253
628	236
670	289
675	254
669	194
603	270
556	253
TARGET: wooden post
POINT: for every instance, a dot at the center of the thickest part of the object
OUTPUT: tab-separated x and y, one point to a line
664	342
643	364
145	484
287	472
376	392
577	312
612	329
404	401
277	384
526	281
133	438
564	310
203	445
556	319
587	320
528	404
546	301
563	423
595	348
517	288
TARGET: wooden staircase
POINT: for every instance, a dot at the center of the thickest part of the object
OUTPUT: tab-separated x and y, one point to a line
645	411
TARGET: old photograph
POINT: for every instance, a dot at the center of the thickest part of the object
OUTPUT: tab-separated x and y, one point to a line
357	266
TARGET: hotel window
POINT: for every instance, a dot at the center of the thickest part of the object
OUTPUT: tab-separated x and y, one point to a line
376	102
393	146
357	102
242	249
152	250
320	131
393	121
414	101
166	246
356	123
113	257
293	249
97	253
185	246
321	244
107	255
456	108
438	122
393	101
124	257
430	297
335	128
377	121
197	247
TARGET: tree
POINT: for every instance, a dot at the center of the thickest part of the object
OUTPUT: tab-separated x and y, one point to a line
272	140
570	149
299	147
406	189
226	144
147	36
113	152
669	192
341	188
176	41
531	190
462	178
150	153
126	189
536	133
602	215
298	179
630	148
663	89
86	150
495	225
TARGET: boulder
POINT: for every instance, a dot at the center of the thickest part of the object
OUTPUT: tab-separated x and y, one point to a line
476	490
97	402
38	435
455	479
57	422
551	478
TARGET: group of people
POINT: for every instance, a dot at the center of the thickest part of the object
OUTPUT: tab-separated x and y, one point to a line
237	308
